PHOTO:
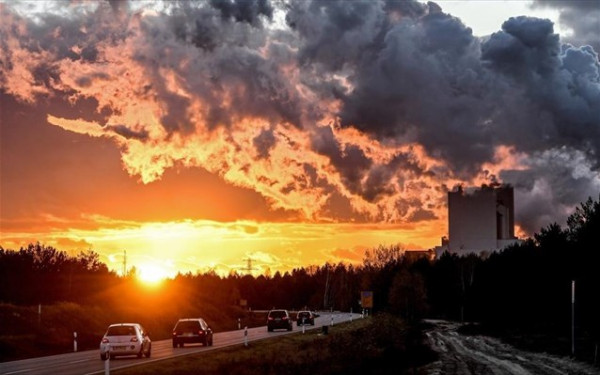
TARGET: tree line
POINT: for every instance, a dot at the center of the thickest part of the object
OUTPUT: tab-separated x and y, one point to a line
526	287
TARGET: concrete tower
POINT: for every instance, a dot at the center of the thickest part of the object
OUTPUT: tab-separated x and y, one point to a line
481	220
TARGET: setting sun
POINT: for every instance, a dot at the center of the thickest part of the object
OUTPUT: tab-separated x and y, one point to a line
151	274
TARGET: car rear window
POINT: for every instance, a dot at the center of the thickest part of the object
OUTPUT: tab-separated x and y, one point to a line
277	314
121	331
303	315
188	326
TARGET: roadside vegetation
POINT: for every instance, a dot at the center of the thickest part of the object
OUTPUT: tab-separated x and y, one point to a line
522	294
383	344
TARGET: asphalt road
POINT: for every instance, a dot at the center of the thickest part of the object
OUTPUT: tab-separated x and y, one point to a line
89	362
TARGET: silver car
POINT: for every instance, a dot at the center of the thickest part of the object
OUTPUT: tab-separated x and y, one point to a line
305	317
125	339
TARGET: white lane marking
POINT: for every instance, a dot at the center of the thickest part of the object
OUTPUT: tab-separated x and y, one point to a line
81	360
17	372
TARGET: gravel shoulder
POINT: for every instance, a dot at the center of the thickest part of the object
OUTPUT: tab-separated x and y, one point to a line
465	355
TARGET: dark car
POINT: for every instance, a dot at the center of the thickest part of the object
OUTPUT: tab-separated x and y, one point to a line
279	319
305	317
193	330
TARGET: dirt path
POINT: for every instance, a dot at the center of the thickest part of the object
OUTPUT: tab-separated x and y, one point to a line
481	355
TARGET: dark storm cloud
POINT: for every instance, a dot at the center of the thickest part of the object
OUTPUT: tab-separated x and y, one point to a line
264	142
228	67
335	33
563	84
360	174
349	160
581	17
555	182
424	77
380	179
427	78
422	215
228	35
119	5
177	117
412	9
128	133
59	38
431	76
526	47
244	10
88	80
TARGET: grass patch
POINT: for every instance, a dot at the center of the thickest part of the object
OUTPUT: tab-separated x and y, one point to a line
380	345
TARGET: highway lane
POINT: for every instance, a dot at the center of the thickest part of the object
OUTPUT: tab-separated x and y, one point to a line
89	362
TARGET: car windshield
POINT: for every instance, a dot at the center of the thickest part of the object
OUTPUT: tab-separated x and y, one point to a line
187	326
121	331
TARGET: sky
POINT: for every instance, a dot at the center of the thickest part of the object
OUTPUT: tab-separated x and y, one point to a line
191	136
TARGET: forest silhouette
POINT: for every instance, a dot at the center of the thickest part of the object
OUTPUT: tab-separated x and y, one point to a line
522	293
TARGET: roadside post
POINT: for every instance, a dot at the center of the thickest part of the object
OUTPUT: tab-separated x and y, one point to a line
239	324
573	317
246	336
74	341
332	320
107	361
351	315
303	324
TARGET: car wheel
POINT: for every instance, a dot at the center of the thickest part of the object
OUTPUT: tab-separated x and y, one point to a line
103	356
112	356
181	345
174	344
139	355
149	351
269	329
211	341
205	343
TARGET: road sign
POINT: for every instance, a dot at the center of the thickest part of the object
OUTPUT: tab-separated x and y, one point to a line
366	299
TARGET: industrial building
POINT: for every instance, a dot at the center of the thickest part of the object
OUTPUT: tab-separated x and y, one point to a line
479	220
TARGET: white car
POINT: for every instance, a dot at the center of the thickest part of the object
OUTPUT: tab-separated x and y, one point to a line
125	339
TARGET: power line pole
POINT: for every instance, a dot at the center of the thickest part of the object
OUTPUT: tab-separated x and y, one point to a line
124	263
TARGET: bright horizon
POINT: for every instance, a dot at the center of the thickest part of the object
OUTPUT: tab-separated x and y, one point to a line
193	136
197	247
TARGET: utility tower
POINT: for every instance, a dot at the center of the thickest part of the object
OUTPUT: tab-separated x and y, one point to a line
248	269
124	263
327	294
